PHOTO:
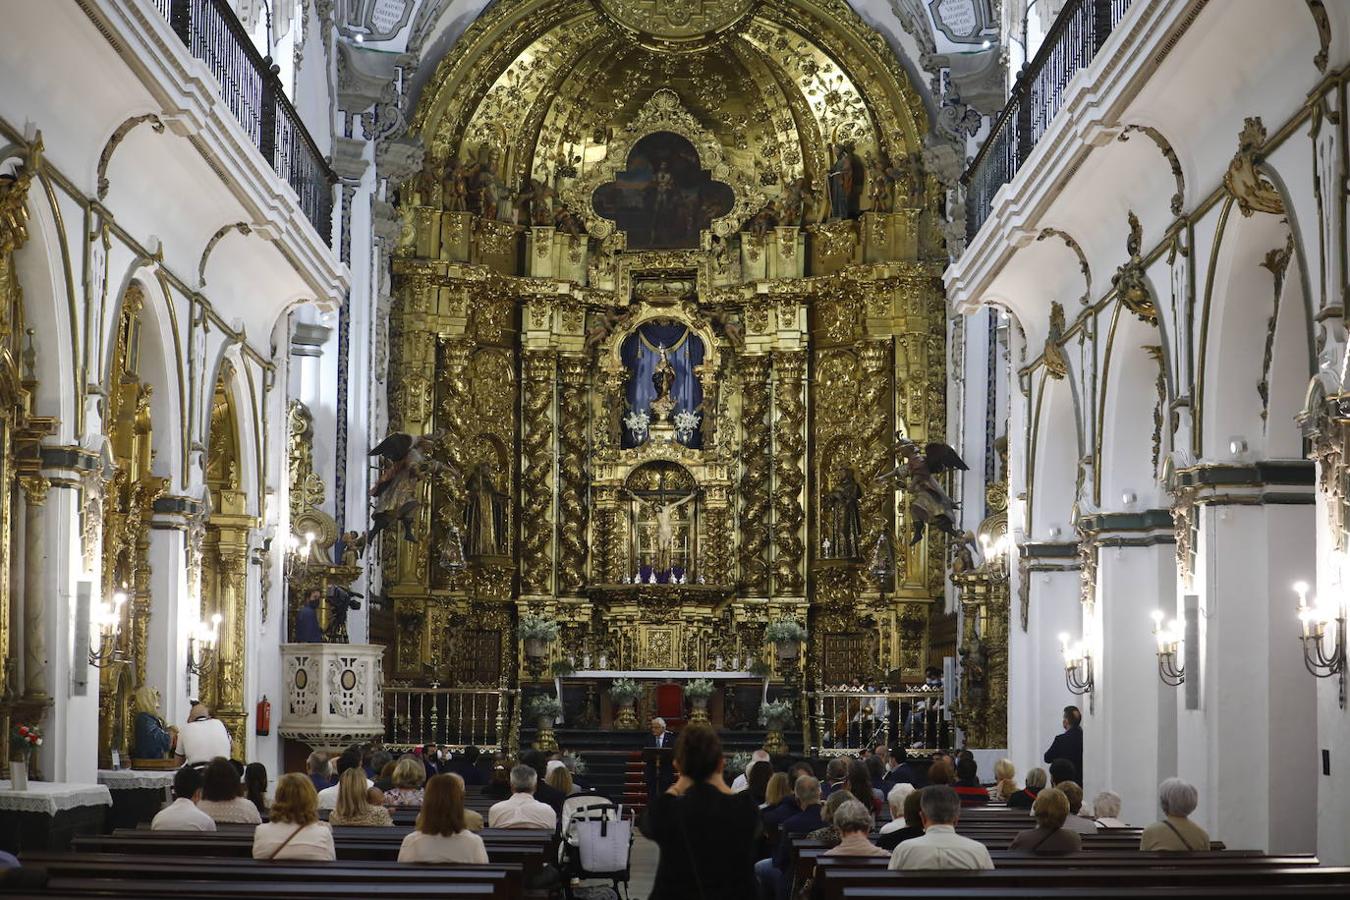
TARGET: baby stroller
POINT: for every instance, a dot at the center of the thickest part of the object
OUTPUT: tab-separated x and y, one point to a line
597	842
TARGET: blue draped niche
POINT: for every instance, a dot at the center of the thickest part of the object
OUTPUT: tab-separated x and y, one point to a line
640	356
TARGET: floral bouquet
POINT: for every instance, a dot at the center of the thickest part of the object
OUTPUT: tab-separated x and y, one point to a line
24	739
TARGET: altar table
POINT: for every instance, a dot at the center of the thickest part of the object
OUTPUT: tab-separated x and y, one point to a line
49	814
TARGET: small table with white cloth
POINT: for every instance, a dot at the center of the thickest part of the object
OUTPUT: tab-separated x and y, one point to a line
49	814
137	794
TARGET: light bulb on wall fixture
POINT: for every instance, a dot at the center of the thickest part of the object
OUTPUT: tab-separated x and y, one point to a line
1323	655
1169	640
1237	447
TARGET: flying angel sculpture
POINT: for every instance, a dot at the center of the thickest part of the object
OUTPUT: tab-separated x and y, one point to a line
916	474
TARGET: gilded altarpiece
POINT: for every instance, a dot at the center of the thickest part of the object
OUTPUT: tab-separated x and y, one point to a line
665	449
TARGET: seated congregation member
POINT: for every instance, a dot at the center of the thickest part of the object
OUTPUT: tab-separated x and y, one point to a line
1049	837
967	785
353	806
1076	822
742	780
911	822
836	776
1176	831
940	847
499	783
855	827
182	814
521	810
442	836
786	808
350	759
903	771
293	829
757	780
543	791
860	786
1106	808
941	771
465	765
876	770
827	834
1025	797
1004	785
255	786
706	832
316	765
770	873
895	802
1062	770
561	781
221	798
778	790
409	776
203	738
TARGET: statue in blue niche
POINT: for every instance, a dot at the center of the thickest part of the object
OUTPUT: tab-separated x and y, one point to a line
662	358
152	739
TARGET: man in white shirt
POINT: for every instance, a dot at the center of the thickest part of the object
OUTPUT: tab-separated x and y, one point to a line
940	847
203	738
182	814
521	810
742	781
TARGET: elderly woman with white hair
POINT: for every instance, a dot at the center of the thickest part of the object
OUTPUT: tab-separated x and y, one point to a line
1106	810
1176	831
896	801
855	824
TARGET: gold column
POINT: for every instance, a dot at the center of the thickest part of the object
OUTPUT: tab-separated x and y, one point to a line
877	404
717	538
35	489
754	487
536	489
789	473
224	682
572	443
608	545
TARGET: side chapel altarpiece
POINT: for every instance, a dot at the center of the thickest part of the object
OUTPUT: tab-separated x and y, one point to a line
666	294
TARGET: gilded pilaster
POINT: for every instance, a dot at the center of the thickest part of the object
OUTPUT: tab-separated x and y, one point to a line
608	565
35	489
877	408
536	487
755	467
572	442
789	470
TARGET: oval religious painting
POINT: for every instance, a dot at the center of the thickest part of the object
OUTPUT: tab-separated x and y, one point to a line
663	199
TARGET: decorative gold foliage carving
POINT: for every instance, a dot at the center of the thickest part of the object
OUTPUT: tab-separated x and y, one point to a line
572	506
536	491
789	475
755	461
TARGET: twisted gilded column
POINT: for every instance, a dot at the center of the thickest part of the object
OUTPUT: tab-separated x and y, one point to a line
789	367
536	490
876	422
572	444
754	487
35	489
609	563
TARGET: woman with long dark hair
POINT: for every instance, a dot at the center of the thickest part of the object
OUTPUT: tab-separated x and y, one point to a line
706	833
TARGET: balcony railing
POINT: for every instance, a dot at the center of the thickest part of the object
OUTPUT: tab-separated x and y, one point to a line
414	716
1073	41
846	722
254	94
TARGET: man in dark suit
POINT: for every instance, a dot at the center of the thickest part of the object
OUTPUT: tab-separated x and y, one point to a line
1069	745
543	791
659	779
465	765
902	771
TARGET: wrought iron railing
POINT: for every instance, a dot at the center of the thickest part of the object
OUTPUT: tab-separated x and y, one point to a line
459	717
251	89
1074	40
850	721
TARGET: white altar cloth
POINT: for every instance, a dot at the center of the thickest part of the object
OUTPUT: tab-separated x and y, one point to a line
51	797
136	779
661	674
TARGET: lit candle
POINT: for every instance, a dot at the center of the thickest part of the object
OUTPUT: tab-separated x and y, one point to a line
1304	613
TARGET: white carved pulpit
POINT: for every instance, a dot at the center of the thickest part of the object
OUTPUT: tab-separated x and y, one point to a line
334	694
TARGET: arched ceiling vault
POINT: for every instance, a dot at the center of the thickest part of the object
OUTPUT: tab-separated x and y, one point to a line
546	84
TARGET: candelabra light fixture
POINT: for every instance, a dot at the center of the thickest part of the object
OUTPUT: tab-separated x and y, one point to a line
202	640
995	549
1078	674
299	553
105	623
1323	655
1171	669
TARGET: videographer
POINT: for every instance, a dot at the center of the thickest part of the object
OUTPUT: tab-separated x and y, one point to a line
340	602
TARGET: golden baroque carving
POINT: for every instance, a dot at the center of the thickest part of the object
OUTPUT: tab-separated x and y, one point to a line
572	441
537	465
1244	181
789	476
755	466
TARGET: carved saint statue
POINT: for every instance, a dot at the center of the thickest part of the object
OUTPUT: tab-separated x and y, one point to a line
485	514
664	516
663	380
916	474
153	740
843	182
842	506
398	492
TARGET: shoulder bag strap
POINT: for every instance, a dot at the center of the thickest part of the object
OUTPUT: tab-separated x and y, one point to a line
1181	837
282	845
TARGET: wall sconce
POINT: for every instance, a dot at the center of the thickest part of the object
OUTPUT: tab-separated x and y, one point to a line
105	623
1078	675
202	641
1170	670
1315	618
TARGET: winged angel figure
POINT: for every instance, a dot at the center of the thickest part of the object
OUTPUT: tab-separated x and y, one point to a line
916	474
397	494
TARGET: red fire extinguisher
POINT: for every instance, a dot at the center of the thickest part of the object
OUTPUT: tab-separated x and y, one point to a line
264	717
